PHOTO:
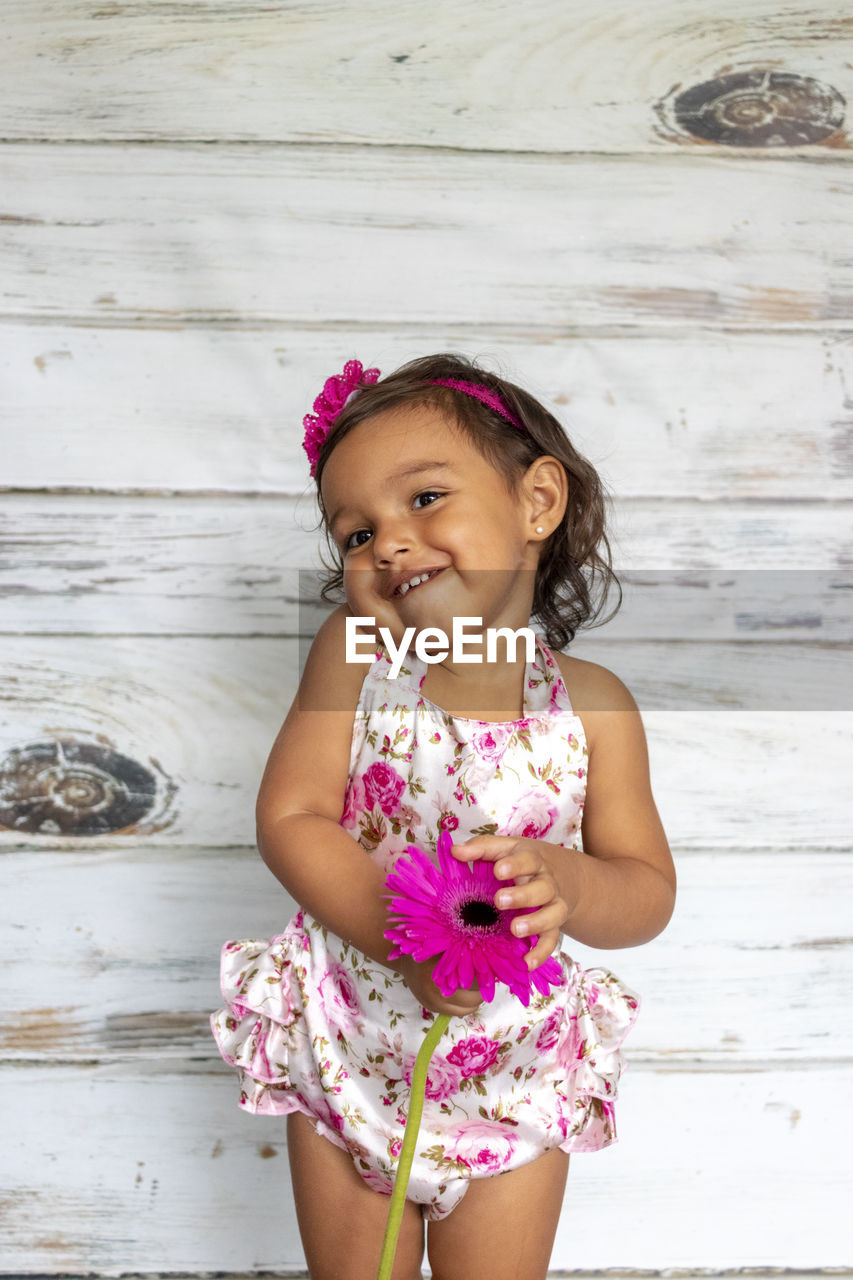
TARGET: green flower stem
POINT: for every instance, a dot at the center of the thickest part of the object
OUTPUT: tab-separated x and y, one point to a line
407	1151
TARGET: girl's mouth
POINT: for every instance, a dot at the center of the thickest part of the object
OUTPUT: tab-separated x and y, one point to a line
416	580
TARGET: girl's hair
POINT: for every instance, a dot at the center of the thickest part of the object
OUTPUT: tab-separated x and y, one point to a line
575	572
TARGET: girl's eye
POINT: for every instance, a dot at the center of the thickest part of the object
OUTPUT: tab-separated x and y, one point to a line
356	539
429	496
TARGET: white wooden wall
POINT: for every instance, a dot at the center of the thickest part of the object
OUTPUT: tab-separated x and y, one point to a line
205	209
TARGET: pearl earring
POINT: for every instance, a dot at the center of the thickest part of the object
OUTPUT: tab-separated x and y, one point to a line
539	529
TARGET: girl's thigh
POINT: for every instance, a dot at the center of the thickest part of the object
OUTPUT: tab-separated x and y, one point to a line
341	1221
504	1227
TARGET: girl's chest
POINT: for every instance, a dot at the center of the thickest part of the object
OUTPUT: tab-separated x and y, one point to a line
415	770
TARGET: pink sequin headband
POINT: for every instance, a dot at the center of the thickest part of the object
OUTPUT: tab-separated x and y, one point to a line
338	389
483	394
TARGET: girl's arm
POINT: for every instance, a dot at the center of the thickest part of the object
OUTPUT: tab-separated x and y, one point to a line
620	890
298	813
301	799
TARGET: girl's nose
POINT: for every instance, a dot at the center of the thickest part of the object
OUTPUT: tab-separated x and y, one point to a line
390	539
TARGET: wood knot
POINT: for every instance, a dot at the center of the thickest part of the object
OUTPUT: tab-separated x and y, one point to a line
760	109
74	789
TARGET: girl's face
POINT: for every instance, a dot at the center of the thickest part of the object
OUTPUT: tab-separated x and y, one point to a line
408	495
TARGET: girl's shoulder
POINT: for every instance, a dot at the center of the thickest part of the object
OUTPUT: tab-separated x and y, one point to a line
591	687
619	809
330	682
595	693
308	765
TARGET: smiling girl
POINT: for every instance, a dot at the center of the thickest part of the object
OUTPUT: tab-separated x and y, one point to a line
447	493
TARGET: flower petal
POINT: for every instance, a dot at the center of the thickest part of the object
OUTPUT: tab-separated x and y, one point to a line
426	919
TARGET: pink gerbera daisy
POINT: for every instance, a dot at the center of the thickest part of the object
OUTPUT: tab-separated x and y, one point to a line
449	910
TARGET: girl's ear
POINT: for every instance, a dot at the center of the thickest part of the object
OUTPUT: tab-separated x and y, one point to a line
546	492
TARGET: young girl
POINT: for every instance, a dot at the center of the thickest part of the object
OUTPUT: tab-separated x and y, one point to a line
446	493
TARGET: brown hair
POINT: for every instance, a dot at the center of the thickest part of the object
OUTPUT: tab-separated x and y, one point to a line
575	572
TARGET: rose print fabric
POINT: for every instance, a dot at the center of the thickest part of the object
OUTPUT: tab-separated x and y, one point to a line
311	1024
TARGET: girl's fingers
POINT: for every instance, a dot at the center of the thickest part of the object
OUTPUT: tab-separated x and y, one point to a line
520	861
525	861
489	848
544	948
454	1007
548	919
515	859
532	893
459	1010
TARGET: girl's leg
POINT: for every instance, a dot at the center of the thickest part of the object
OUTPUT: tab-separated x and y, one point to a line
504	1227
341	1221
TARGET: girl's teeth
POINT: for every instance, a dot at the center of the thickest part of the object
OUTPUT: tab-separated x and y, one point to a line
415	582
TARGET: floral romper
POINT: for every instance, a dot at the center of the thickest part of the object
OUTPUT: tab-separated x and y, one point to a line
313	1025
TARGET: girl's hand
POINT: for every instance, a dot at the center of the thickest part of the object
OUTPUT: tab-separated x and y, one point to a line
418	979
528	863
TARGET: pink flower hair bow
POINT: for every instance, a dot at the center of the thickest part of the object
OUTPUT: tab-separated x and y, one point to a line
329	403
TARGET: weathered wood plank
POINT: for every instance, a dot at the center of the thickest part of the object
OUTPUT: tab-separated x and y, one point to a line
177	406
229	566
119	1169
566	79
200	715
682	676
612	1273
168	309
379	236
121	960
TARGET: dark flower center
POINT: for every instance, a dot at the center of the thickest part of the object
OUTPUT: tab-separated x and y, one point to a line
478	915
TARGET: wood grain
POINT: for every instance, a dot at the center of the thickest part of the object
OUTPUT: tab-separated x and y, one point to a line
192	404
203	713
191	233
230	566
225	565
123	1168
206	209
570	78
752	972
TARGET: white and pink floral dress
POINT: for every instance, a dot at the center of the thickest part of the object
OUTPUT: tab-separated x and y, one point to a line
313	1025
